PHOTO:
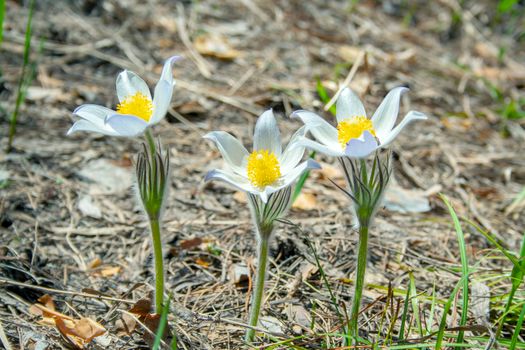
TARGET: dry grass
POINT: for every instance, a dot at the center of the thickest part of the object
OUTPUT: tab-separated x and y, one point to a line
466	150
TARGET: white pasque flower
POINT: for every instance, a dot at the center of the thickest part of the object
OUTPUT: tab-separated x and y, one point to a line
265	170
136	110
356	136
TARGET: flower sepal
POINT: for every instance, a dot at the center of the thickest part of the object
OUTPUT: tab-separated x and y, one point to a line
152	170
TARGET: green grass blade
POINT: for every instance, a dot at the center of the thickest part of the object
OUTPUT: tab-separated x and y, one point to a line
323	95
300	183
415	303
446	309
404	316
518	329
516	277
495	243
517	201
24	81
325	280
430	320
464	265
2	16
162	324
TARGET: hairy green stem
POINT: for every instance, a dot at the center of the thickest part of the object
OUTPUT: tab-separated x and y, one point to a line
359	281
258	291
151	141
159	268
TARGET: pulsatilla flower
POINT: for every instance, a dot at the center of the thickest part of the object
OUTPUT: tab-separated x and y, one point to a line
267	169
136	111
356	136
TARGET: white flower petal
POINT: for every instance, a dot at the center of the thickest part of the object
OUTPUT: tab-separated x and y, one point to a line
292	154
161	101
315	146
129	83
94	113
357	148
231	150
237	181
163	91
267	135
167	69
320	128
411	116
84	125
294	174
349	105
385	116
126	125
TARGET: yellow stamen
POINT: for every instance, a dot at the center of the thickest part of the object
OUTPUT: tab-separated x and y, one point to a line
138	105
263	168
352	128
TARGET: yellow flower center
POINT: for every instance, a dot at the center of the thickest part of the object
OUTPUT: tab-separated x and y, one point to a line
138	105
352	128
263	168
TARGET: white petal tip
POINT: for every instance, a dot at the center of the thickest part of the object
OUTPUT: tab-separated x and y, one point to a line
174	59
209	176
312	164
356	148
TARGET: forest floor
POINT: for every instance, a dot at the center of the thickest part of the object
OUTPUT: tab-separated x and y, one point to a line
71	227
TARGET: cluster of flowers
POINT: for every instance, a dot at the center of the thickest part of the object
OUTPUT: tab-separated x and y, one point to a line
267	173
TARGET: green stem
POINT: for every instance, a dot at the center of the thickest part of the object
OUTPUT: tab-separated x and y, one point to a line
258	291
159	268
151	142
359	281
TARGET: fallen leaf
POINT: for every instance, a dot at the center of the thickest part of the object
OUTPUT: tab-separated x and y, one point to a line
299	315
85	329
191	243
202	262
305	201
125	325
329	171
109	271
349	53
406	201
239	273
215	45
191	107
271	324
95	263
88	207
142	307
106	177
240	197
78	332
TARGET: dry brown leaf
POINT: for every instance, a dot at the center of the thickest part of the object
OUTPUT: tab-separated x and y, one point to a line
360	84
191	107
349	53
47	301
215	45
142	307
109	271
78	332
240	197
95	263
152	322
305	201
125	325
330	172
86	329
201	262
191	243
